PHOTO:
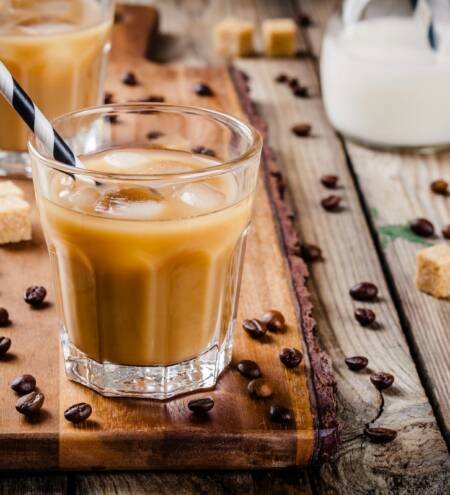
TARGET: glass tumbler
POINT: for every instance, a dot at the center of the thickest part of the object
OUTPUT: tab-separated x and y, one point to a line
147	243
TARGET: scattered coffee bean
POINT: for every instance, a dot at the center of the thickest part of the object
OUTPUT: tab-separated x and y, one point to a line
255	328
202	150
310	252
382	380
365	316
152	99
111	118
331	203
35	295
364	291
300	92
422	227
291	357
202	89
380	435
78	412
23	384
30	404
280	414
244	75
301	130
5	344
439	186
304	20
329	181
154	135
4	318
118	17
446	231
282	78
293	83
109	98
274	321
130	79
260	388
248	369
201	406
356	363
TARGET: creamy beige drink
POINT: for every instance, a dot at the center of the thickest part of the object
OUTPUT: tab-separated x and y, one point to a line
56	49
146	276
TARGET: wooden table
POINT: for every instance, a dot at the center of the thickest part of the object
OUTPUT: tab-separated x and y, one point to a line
365	241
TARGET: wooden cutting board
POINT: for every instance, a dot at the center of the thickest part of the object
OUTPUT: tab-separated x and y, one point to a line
142	434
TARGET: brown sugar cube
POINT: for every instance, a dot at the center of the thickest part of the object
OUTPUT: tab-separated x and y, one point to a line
234	38
433	270
279	37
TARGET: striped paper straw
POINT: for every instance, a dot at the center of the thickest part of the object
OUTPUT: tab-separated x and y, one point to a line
35	120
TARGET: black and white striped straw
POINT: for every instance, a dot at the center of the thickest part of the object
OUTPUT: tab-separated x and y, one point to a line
35	120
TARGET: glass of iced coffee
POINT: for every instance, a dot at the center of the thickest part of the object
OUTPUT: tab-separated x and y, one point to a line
57	51
147	243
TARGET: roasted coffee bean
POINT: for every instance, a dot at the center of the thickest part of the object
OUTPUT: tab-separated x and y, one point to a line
248	368
291	357
35	295
304	20
331	203
152	99
5	344
446	231
244	75
4	318
203	150
439	186
23	384
356	363
154	135
365	316
78	412
422	227
259	388
300	92
280	414
109	98
274	321
282	78
130	79
30	404
301	130
380	435
364	291
329	181
201	406
118	17
382	380
293	83
255	328
310	252
111	118
202	89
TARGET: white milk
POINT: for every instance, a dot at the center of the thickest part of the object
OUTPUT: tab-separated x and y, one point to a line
384	85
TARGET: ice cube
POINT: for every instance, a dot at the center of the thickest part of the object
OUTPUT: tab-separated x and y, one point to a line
46	27
132	203
85	198
127	161
201	195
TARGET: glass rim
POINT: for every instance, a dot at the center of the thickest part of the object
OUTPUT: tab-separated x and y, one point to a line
254	137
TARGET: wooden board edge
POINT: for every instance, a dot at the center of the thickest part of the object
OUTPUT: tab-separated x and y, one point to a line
322	384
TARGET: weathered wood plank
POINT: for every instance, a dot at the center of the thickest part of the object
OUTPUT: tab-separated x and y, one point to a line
23	484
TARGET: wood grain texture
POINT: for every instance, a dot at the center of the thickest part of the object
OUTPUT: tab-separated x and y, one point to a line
25	484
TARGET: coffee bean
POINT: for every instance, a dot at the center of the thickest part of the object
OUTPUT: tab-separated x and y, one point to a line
154	135
23	384
422	227
4	318
244	75
364	291
111	118
329	181
282	78
35	295
152	99
78	412
260	388
130	79
202	150
300	92
118	17
301	130
201	406
382	380
274	321
293	83
439	186
446	231
380	435
356	363
331	203
255	328
365	316
280	414
30	404
310	252
291	357
202	89
248	368
304	20
5	344
109	98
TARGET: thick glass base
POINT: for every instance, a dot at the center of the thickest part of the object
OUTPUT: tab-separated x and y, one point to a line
148	382
15	164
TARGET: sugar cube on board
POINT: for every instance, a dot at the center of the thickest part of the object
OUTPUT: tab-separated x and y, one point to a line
433	270
234	38
279	37
15	223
